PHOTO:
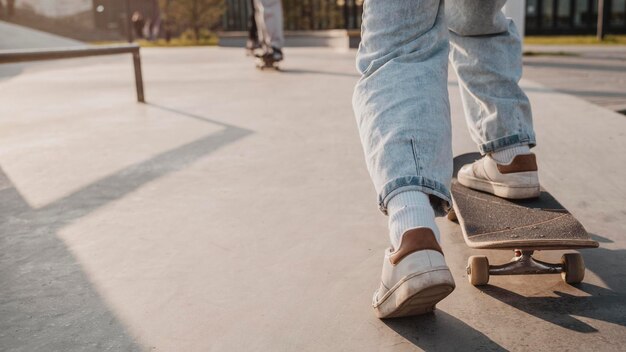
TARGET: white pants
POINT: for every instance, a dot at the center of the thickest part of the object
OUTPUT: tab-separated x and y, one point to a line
269	21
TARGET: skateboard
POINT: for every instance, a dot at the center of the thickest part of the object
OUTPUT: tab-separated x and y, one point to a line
523	226
266	61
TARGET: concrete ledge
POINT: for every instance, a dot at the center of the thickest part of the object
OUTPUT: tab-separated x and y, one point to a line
19	37
334	38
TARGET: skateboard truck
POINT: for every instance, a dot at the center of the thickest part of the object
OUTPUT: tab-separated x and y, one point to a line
523	264
571	268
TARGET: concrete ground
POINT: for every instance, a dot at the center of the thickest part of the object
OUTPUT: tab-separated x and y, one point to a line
233	212
593	73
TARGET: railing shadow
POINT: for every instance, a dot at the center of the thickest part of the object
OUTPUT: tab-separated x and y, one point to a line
9	71
46	298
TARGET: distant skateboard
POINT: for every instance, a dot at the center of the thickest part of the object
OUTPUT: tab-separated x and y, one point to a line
524	226
266	61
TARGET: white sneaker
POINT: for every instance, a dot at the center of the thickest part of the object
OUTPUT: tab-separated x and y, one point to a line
516	180
415	276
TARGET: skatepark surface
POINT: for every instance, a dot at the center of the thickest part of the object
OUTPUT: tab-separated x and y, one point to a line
594	73
233	212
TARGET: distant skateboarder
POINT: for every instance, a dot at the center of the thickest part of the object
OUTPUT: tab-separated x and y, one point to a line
252	44
269	24
403	114
138	23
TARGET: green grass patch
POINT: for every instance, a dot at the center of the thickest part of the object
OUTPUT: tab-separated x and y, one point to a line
176	42
575	40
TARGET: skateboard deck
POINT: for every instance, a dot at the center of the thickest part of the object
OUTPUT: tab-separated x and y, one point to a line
491	222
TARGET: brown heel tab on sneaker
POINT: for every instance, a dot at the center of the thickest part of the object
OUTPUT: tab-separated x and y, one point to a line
415	240
521	163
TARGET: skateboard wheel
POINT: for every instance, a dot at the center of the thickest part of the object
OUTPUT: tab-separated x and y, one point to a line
478	270
573	268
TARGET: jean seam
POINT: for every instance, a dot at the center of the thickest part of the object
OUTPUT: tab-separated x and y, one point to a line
415	156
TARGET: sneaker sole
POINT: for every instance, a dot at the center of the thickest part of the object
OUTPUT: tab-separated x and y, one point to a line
499	189
416	295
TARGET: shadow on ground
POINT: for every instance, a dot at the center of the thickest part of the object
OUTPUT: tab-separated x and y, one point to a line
47	301
563	310
602	304
575	66
440	331
584	94
599	303
580	93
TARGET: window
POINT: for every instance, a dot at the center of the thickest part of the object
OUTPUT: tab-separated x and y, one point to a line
581	16
531	14
617	15
563	13
547	13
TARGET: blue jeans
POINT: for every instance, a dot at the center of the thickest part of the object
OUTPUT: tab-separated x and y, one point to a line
401	100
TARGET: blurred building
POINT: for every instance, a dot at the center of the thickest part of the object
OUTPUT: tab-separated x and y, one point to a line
87	20
573	16
543	17
300	14
111	14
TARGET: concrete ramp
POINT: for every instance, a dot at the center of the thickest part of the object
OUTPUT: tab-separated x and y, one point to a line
13	36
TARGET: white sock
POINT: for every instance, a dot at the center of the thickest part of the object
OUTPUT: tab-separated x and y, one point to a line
505	156
408	210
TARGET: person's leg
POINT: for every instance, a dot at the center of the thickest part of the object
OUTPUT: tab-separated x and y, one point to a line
252	32
403	115
253	36
486	52
269	20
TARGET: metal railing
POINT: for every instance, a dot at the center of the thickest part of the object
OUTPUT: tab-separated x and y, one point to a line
25	55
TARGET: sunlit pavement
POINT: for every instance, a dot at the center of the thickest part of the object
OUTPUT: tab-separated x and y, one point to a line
594	73
233	212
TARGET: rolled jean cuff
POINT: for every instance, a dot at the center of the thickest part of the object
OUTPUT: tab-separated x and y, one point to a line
438	193
507	142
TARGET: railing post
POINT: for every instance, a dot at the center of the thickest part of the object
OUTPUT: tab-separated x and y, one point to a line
14	56
601	21
138	76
